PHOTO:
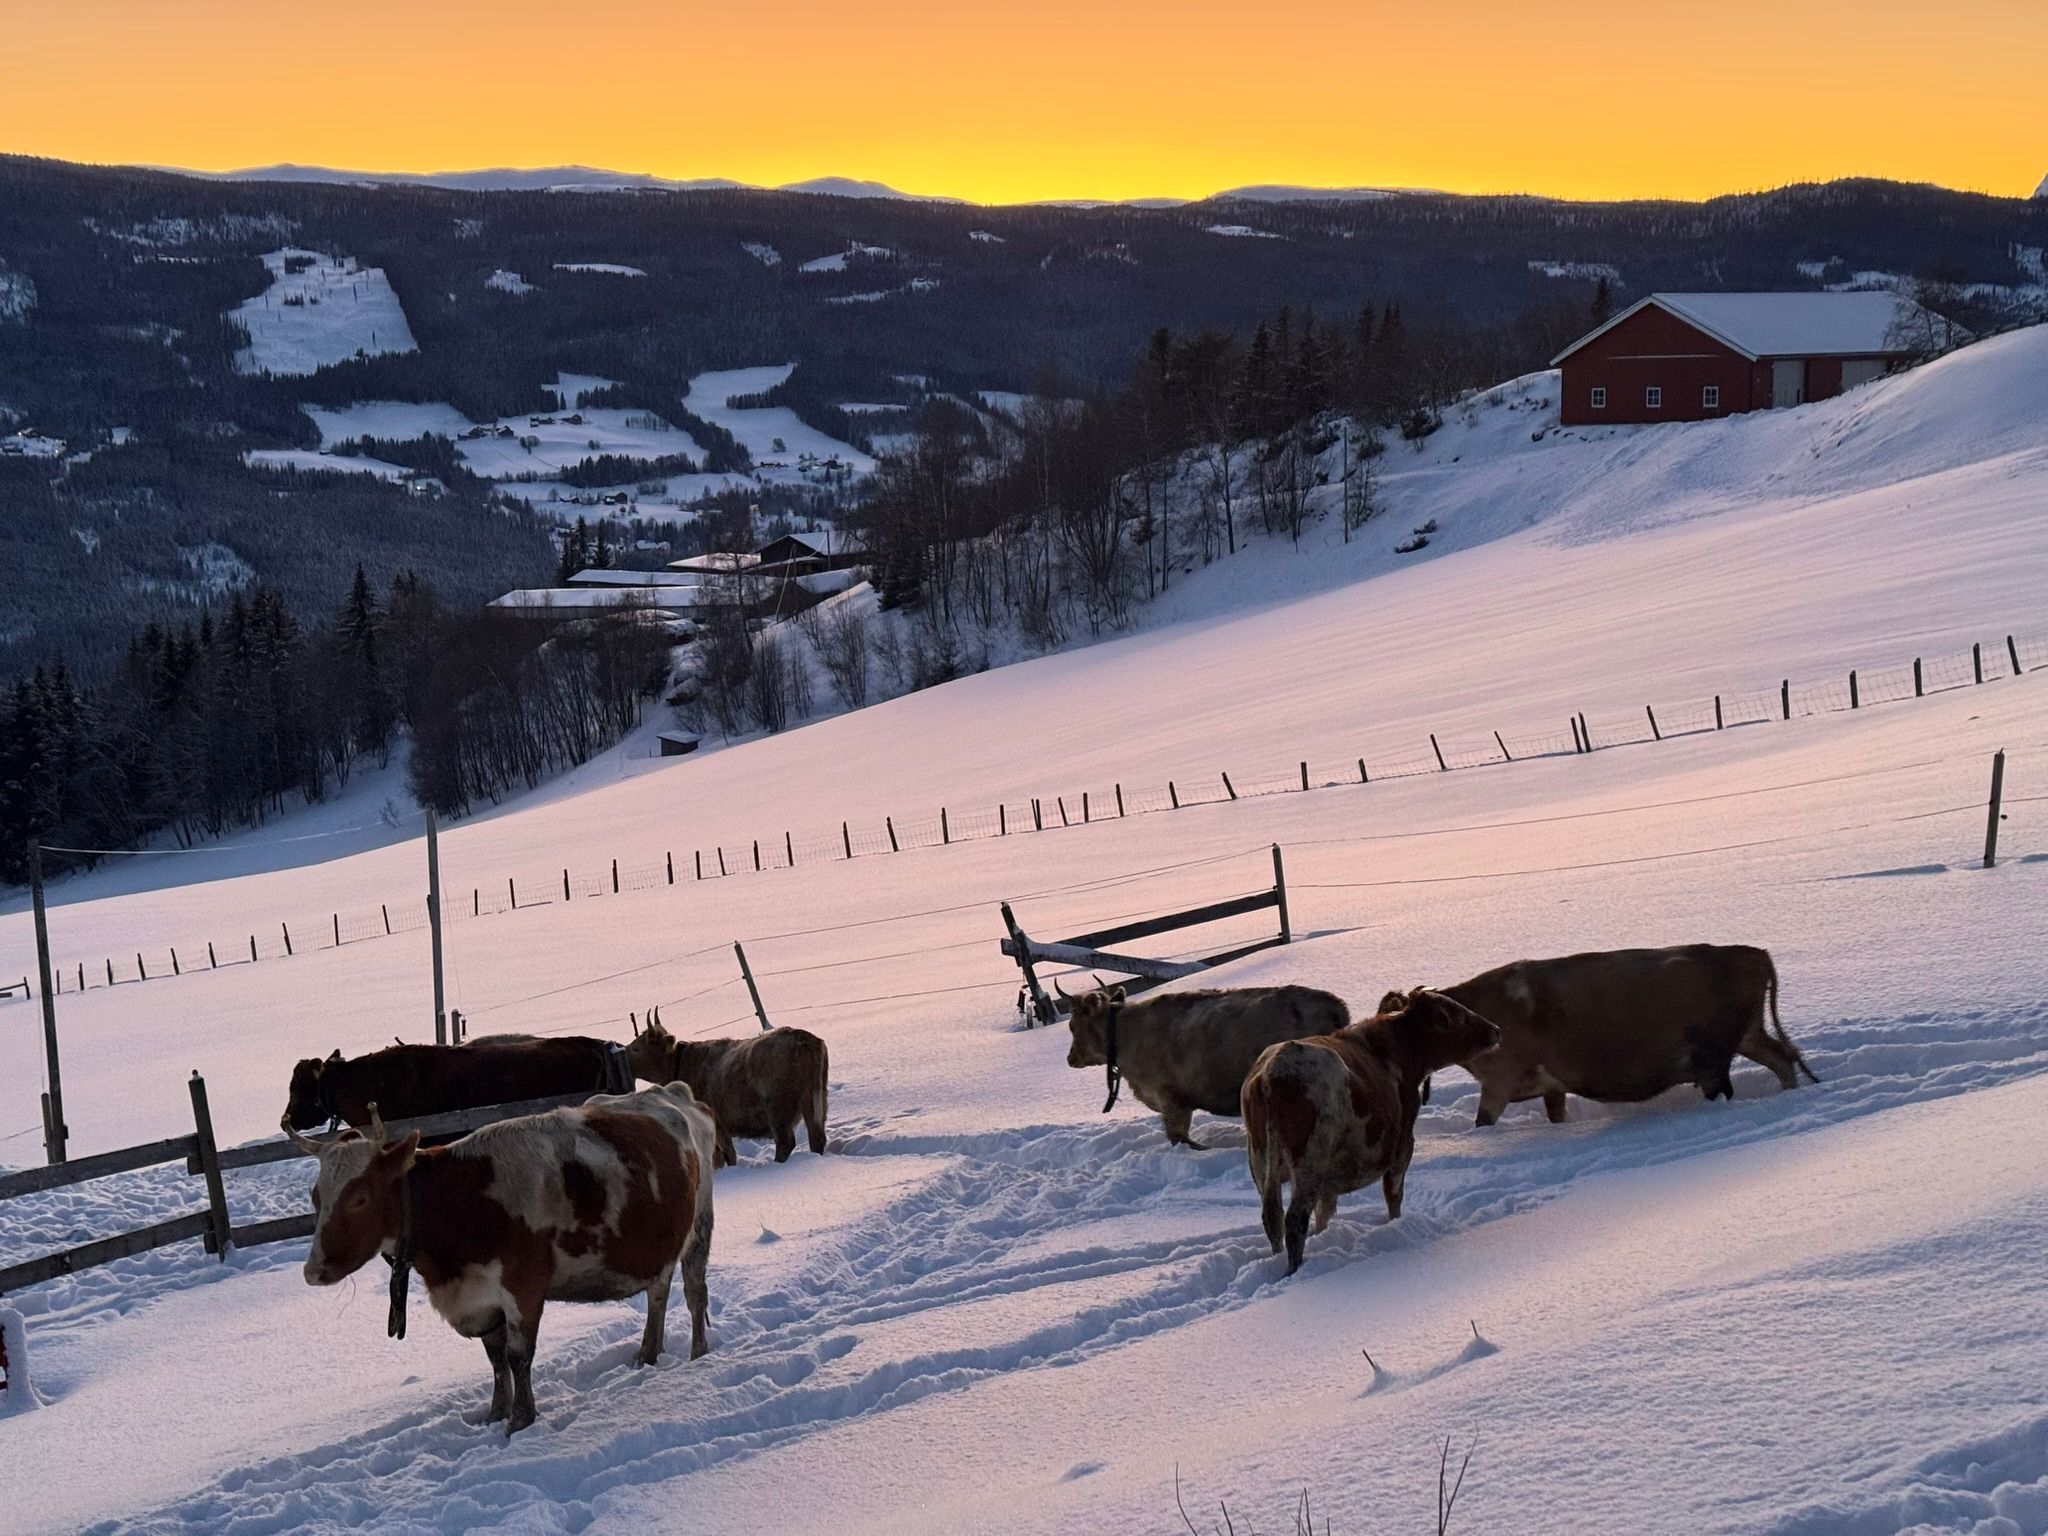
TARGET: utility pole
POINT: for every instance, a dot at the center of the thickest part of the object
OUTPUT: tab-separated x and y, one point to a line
54	1133
434	923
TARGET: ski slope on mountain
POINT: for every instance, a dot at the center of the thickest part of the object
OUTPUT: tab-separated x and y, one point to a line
992	1307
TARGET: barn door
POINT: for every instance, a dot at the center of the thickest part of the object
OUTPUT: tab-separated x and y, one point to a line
1788	381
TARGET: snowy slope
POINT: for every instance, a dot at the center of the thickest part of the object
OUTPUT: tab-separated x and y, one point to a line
327	312
994	1308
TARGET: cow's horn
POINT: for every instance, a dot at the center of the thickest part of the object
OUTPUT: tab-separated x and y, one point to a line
1063	992
292	1134
376	1126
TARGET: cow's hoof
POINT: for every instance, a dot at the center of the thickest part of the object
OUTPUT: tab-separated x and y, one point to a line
699	1351
642	1357
516	1423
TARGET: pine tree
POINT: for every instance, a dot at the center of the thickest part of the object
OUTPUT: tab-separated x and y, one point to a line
1603	302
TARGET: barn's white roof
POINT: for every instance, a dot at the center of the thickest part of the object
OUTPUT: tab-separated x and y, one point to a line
1758	325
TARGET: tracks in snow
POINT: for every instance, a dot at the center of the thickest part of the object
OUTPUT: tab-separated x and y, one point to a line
1027	1248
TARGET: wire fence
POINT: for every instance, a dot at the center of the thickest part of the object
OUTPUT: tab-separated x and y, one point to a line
1063	811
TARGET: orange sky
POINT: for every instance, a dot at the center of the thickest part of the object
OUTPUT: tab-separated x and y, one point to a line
1007	101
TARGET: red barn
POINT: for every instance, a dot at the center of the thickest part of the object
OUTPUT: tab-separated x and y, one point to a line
1692	356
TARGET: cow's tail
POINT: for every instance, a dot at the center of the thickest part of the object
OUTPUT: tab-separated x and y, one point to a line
1265	1152
1778	1027
818	1099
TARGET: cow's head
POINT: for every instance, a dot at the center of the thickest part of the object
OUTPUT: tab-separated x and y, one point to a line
1089	1022
309	1107
652	1053
358	1198
1442	1033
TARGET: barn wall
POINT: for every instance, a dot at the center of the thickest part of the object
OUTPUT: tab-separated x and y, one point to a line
1655	347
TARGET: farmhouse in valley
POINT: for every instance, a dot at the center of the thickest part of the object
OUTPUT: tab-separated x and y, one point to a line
1694	356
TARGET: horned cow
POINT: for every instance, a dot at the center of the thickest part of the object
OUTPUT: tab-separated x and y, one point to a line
1332	1113
1624	1025
759	1085
408	1081
596	1203
1185	1051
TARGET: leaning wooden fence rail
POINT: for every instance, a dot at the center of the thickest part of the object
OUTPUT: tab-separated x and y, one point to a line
213	1223
1087	949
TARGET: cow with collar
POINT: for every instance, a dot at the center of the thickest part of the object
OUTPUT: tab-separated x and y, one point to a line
1184	1051
596	1203
411	1081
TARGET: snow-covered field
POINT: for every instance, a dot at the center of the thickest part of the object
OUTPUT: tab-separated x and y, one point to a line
993	1308
326	312
775	435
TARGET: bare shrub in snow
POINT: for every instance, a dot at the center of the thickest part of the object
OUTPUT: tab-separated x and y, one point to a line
843	640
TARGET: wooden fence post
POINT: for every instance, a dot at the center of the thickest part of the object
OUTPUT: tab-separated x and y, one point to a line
1717	712
890	823
670	857
757	855
1996	816
700	863
1918	690
1037	816
1002	820
615	877
110	970
788	849
1086	814
176	969
512	891
720	851
753	991
565	885
1655	734
1855	698
55	1133
1504	752
1061	802
1585	731
1785	697
219	1228
1304	778
385	908
1977	659
141	970
1043	1009
1577	745
211	963
337	930
1173	794
1442	766
1280	893
1228	787
2013	651
476	901
252	953
287	937
945	829
1119	801
846	839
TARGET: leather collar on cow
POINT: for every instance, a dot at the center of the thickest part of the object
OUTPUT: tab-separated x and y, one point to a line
408	1249
1112	1070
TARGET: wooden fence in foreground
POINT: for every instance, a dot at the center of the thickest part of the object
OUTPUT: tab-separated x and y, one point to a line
213	1223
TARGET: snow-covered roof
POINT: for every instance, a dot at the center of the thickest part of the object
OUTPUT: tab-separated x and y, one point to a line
618	578
1758	325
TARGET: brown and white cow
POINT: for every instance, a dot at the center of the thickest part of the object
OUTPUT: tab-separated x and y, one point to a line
758	1085
596	1203
409	1081
1186	1051
1332	1113
1623	1025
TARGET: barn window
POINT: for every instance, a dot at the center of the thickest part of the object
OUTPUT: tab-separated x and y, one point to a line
1710	397
1599	397
1653	398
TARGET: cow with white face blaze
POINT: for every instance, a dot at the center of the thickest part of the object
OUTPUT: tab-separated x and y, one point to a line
1332	1114
596	1203
1184	1051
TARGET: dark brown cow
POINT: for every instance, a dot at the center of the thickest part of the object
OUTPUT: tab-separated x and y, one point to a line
408	1081
1185	1051
596	1203
1623	1025
759	1085
1333	1113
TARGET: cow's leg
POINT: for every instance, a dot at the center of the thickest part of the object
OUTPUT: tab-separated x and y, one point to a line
724	1154
785	1142
814	1116
1326	1207
657	1316
1760	1048
1553	1105
1270	1216
501	1373
520	1338
696	1255
1299	1208
1493	1098
1177	1118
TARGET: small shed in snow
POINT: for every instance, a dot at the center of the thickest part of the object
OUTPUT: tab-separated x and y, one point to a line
677	743
1695	356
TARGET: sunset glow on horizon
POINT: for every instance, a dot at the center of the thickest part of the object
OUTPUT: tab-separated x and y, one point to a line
1007	102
